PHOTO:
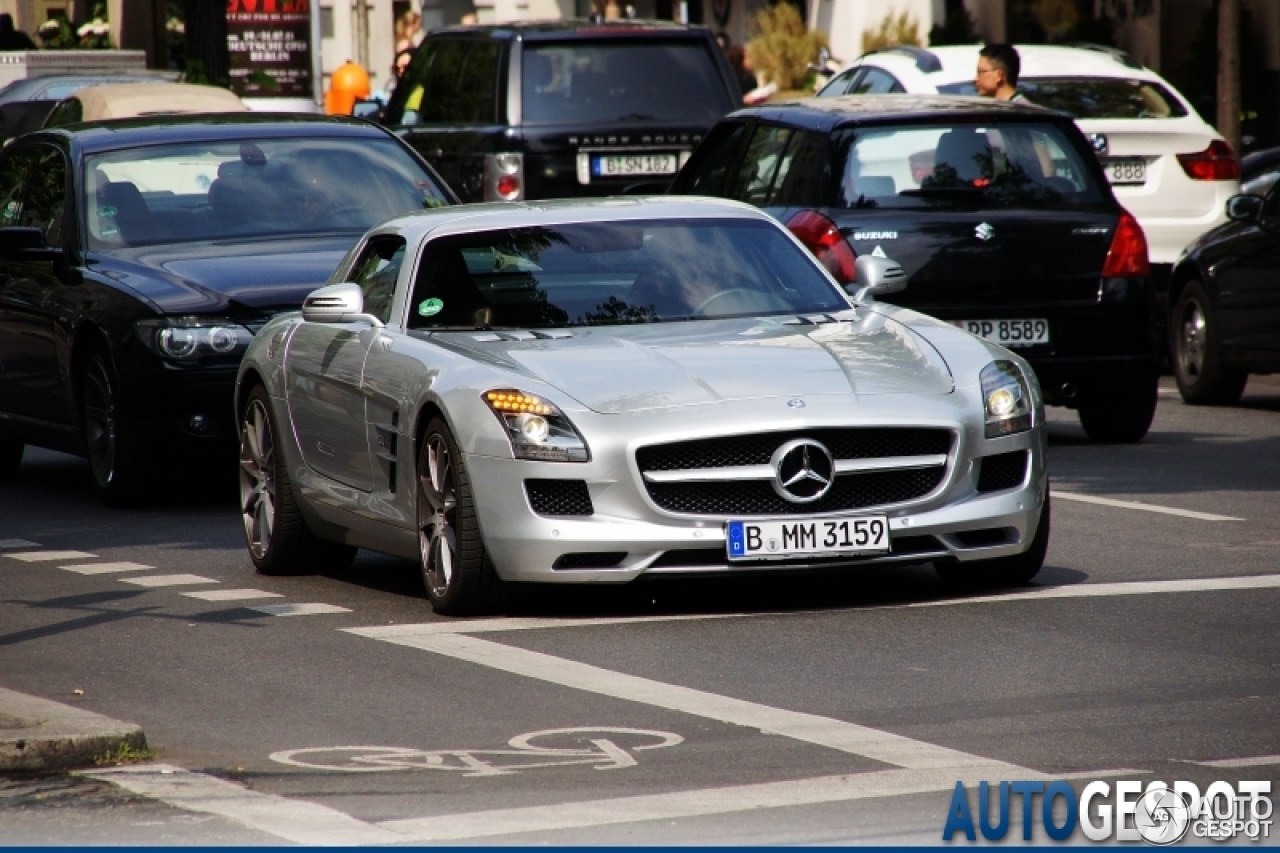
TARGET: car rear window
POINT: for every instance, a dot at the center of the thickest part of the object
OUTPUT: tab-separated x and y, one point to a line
1030	165
597	274
583	82
1093	97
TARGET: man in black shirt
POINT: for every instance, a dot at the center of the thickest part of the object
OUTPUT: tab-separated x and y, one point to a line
997	75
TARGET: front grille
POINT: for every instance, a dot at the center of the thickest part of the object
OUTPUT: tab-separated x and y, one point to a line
757	497
689	558
559	497
1002	471
757	449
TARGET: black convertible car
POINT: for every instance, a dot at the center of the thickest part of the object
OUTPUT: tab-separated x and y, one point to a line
1225	295
138	258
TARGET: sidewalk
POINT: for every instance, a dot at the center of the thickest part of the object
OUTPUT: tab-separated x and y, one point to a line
36	734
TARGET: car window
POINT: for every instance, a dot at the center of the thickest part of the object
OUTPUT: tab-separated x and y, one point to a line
799	182
376	272
840	84
912	166
69	111
876	82
1093	97
713	162
14	169
250	189
754	180
1261	183
450	82
651	81
614	273
44	195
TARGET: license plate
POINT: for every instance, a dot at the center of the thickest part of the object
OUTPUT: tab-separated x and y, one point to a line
1132	171
1009	333
623	165
776	540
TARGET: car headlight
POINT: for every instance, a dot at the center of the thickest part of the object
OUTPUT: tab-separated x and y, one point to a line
189	339
1006	399
536	428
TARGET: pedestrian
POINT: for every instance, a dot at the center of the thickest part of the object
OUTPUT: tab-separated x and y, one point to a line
398	67
997	75
11	38
408	31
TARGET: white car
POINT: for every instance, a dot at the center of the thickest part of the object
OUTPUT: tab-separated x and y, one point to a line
1167	166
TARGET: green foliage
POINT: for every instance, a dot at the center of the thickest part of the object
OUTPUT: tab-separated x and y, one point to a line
124	754
1198	77
902	28
783	48
957	28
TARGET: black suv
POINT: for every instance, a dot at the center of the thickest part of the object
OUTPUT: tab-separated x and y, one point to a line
562	109
1000	214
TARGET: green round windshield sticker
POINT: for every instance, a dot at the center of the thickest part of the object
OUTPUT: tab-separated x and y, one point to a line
430	307
107	211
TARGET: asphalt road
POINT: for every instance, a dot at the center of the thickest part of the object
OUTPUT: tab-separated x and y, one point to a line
782	710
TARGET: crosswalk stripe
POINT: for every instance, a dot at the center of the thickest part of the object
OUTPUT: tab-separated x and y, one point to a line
50	556
105	568
167	580
297	609
10	544
231	594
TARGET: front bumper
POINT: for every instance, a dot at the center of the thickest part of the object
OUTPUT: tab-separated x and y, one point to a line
955	522
182	411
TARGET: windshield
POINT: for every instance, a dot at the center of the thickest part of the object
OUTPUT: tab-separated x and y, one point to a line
1092	97
601	274
260	188
1029	165
653	81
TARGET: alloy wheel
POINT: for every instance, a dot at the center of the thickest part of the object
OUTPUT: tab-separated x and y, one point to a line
1191	341
437	516
100	421
257	478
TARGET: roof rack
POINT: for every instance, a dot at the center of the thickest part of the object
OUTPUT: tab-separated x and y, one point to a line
926	60
1124	58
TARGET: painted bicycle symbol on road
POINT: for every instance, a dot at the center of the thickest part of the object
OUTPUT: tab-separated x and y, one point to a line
599	747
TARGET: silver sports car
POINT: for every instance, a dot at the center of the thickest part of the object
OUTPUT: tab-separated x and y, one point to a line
587	392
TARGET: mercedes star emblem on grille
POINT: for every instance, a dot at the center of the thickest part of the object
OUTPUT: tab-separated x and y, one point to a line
803	470
984	231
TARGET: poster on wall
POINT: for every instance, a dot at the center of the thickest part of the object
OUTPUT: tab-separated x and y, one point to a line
270	46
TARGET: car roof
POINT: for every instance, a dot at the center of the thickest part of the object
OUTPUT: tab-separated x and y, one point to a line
955	63
467	218
26	85
553	30
824	114
92	137
126	100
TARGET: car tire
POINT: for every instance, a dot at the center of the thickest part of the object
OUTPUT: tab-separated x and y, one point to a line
275	532
1197	366
1122	412
456	570
1002	571
11	452
114	449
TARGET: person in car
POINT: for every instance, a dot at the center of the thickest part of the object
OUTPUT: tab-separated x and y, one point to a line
997	74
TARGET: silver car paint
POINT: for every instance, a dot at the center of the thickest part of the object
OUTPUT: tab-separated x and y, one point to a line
627	386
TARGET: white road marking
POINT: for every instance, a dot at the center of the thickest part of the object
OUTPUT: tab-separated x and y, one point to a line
295	820
49	556
106	568
10	544
167	580
1138	505
482	626
231	594
1259	761
297	609
810	728
1101	590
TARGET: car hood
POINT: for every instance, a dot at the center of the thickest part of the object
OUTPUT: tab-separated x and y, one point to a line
633	368
201	278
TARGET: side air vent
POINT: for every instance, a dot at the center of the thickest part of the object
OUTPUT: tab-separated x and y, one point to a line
1002	471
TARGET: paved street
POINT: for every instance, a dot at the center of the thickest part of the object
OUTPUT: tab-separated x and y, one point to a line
766	710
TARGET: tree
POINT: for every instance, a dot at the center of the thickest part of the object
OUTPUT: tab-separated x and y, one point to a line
1229	71
206	40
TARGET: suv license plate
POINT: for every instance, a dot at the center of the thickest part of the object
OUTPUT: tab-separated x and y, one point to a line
1009	333
623	165
1131	171
800	537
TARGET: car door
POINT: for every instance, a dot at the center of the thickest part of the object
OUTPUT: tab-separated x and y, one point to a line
326	366
1249	284
33	193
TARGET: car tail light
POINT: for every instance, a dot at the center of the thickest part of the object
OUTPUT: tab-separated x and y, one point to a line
504	176
821	236
1216	163
1128	253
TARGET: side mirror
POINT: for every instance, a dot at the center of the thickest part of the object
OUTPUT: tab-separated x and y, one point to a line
877	277
23	243
337	303
369	109
1244	208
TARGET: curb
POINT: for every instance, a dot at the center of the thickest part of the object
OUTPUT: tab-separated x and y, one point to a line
36	734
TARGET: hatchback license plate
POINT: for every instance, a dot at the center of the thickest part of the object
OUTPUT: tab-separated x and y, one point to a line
1009	333
1130	171
776	540
623	165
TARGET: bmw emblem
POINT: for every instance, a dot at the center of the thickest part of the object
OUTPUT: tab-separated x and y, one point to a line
1099	143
